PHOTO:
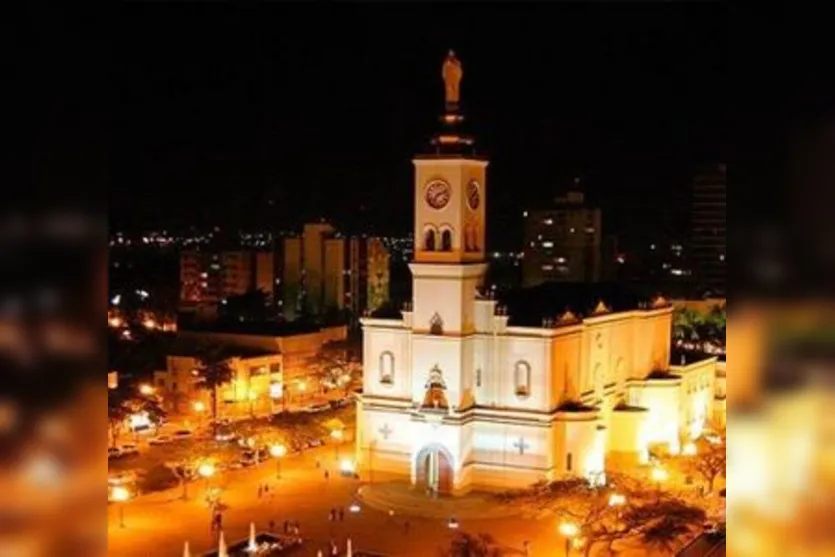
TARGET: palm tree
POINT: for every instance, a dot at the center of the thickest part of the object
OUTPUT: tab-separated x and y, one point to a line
214	372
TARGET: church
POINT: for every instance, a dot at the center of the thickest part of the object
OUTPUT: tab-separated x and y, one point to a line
455	397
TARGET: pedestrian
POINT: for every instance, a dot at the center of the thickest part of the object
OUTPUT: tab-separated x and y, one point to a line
266	488
327	475
341	514
272	526
331	514
260	490
318	464
527	547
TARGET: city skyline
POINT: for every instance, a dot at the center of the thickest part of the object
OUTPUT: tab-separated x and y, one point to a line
246	126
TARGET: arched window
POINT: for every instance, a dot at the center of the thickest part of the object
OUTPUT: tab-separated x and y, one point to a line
429	239
387	368
446	240
522	379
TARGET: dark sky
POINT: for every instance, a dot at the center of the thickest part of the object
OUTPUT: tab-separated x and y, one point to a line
268	115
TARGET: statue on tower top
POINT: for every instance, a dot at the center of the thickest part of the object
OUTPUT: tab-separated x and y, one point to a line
452	74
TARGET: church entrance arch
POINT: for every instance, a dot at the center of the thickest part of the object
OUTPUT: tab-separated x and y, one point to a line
433	469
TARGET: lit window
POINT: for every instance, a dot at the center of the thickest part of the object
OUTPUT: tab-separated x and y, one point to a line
548	221
560	260
522	379
547	267
547	244
589	230
571	230
525	214
539	237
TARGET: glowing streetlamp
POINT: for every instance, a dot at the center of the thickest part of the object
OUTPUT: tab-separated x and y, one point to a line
659	475
689	449
206	470
200	409
278	452
146	390
569	531
121	496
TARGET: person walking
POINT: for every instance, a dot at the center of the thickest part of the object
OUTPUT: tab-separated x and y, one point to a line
341	514
272	526
327	475
260	490
527	547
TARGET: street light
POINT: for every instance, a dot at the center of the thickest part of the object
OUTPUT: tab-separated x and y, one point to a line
121	495
206	470
146	389
199	408
278	451
689	449
569	531
659	475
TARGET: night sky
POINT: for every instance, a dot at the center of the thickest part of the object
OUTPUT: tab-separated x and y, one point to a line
251	118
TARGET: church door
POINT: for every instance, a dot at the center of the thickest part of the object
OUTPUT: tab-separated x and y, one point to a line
434	471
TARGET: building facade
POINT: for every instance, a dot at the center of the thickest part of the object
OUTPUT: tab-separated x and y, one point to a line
565	242
708	240
325	270
455	397
209	277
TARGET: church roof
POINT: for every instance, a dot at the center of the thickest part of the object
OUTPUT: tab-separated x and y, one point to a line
529	306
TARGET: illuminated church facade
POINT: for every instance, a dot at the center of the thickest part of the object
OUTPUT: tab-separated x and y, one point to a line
454	397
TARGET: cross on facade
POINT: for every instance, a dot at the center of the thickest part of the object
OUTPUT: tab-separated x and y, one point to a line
385	431
521	445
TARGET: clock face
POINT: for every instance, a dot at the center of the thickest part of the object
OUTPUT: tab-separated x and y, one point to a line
438	193
473	195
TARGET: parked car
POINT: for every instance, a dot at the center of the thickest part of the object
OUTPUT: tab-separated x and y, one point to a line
316	442
113	452
160	440
121	478
129	450
317	407
182	434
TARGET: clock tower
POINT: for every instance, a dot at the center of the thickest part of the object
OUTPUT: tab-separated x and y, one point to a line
449	263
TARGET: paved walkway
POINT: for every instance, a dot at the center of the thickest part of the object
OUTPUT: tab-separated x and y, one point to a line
404	499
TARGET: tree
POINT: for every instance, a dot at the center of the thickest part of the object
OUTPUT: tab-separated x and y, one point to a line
185	471
663	524
336	365
686	324
123	402
213	371
472	545
591	508
709	462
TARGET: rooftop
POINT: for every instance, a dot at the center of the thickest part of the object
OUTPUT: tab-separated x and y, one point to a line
529	306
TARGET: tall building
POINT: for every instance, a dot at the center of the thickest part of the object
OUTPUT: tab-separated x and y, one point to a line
455	397
209	277
324	270
708	246
564	242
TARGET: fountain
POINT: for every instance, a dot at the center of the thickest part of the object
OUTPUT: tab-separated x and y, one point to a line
221	546
253	545
256	545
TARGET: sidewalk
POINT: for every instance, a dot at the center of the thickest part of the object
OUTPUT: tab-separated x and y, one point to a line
405	500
